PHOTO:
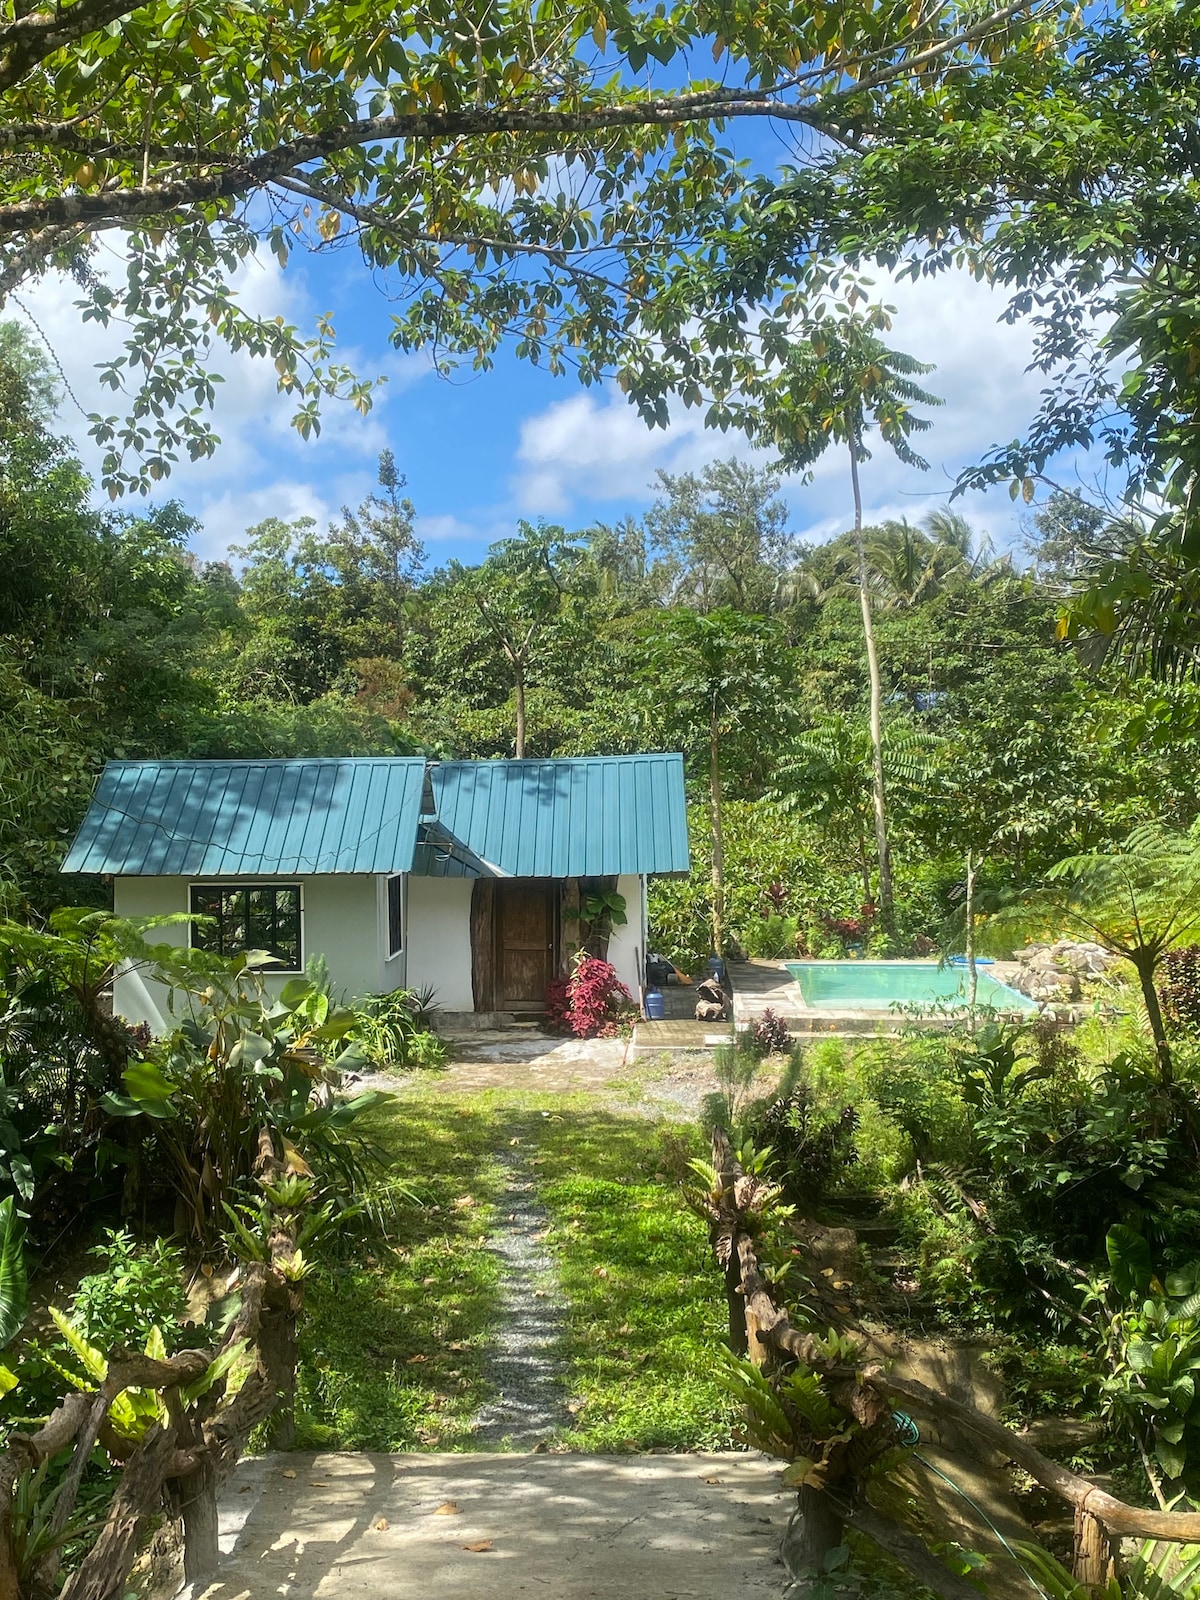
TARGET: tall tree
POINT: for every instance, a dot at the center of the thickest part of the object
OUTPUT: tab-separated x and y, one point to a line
827	773
721	537
520	589
715	685
840	384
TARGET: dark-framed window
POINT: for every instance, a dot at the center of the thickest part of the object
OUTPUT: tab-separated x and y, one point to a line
249	916
395	915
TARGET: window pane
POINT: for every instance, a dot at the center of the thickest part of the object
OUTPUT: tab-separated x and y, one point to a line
233	922
206	903
395	915
249	917
286	938
260	927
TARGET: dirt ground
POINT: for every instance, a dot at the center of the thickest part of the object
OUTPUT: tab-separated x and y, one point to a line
528	1062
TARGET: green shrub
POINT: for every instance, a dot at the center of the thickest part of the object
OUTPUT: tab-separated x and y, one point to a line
394	1031
139	1287
771	938
812	1144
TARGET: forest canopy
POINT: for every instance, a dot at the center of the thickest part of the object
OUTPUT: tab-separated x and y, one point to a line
705	625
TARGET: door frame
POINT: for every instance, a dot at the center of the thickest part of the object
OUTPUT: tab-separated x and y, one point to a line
485	937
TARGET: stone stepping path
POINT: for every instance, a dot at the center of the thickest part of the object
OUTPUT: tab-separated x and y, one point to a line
522	1362
455	1527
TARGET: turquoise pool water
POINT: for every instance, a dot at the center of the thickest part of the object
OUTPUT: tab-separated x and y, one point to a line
879	985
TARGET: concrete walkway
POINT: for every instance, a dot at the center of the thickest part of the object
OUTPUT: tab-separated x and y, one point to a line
455	1527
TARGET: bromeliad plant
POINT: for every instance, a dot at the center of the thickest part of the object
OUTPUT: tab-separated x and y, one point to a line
393	1030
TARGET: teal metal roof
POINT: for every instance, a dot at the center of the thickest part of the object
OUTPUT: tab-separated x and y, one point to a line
586	817
209	819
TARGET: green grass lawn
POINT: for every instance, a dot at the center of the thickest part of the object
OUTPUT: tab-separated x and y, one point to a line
392	1345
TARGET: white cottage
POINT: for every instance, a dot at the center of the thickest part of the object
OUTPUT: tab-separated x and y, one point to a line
465	877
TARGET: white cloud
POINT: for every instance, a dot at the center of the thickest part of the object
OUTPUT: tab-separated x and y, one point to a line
227	516
448	528
600	449
589	448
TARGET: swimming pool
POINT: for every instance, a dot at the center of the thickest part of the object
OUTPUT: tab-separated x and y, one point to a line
879	985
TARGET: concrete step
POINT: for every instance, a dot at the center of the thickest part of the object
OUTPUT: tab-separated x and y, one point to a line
454	1527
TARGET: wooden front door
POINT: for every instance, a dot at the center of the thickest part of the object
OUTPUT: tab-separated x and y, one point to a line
526	933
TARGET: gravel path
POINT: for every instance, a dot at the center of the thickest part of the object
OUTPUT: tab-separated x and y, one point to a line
523	1364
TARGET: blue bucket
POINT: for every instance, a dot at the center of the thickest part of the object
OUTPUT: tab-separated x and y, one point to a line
656	1005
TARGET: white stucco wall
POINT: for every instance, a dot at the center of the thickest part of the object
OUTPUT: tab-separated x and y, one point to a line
343	918
439	940
627	945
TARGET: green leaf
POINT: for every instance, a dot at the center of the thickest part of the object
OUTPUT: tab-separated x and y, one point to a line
92	1360
215	1371
14	1286
1129	1258
1172	1457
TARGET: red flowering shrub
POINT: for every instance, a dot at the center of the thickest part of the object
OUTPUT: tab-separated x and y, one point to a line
592	1003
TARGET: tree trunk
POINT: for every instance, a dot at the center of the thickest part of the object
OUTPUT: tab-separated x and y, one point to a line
1145	964
887	903
519	684
735	1303
718	837
972	969
864	869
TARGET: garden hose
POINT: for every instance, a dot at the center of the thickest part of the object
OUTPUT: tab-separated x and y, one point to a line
978	1509
907	1436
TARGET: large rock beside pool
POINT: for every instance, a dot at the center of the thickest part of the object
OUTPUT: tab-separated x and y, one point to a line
1055	971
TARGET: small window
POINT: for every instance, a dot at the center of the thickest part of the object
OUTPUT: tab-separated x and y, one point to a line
395	915
249	916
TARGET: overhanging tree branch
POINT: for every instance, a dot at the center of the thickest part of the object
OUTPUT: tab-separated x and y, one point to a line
28	40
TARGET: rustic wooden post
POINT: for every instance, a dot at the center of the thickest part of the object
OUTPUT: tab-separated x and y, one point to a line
572	934
483	938
814	1530
739	1341
198	1510
757	1347
1092	1553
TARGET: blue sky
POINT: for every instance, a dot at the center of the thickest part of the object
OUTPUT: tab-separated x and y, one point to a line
481	451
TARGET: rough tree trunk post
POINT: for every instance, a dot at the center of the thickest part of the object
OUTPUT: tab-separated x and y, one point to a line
718	835
735	1301
519	676
198	1509
814	1530
887	901
1092	1554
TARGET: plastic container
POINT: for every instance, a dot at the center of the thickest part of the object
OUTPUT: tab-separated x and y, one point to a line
656	1006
